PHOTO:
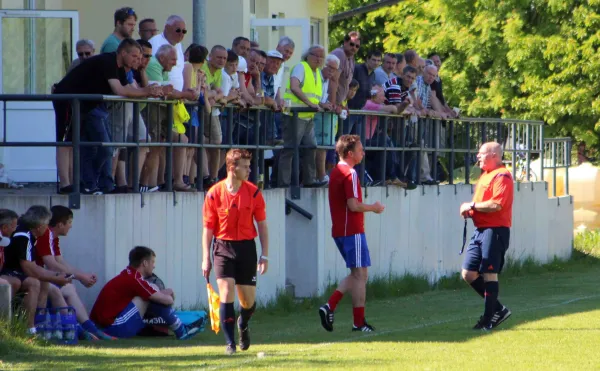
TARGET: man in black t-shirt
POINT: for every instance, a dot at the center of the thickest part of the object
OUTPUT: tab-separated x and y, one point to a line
104	74
19	263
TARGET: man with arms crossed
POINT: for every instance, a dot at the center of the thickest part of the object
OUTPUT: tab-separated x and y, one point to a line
491	211
348	231
230	209
124	300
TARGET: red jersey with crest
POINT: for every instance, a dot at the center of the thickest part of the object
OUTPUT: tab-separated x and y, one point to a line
344	185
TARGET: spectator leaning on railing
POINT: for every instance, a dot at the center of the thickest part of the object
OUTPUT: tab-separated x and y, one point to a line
84	48
386	71
304	88
400	64
147	29
345	54
104	74
173	34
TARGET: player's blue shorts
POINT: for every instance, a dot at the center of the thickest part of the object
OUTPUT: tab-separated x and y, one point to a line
127	324
486	250
354	250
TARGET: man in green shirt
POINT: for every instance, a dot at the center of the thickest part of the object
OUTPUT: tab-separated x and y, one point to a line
125	20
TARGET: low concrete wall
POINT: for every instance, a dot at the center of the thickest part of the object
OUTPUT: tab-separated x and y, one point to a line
420	232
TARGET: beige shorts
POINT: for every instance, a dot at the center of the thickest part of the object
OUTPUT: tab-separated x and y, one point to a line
212	131
121	115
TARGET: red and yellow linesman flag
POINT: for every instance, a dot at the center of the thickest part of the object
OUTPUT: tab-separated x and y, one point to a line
213	308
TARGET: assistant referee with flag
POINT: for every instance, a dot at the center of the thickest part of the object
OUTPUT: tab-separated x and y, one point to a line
230	209
491	211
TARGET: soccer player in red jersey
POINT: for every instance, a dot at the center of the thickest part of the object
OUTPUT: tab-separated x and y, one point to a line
348	231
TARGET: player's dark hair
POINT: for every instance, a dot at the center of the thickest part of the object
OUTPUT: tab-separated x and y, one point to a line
138	254
60	214
409	69
197	54
128	44
122	14
235	155
7	216
232	57
346	143
144	43
238	40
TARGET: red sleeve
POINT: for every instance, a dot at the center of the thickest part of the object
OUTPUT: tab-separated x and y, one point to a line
209	212
42	245
260	208
351	185
502	190
143	289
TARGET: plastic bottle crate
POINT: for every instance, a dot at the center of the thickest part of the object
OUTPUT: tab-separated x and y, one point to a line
56	326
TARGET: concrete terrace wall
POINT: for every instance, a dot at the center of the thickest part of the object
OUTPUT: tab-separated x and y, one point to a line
420	232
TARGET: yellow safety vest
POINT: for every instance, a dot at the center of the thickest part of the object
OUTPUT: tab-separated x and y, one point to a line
311	88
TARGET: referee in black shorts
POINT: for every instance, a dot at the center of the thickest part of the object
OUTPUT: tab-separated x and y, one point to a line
230	208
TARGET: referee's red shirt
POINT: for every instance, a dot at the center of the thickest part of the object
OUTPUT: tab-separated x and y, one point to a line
344	185
497	186
117	294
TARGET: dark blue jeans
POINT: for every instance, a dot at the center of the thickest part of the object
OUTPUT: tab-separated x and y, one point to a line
96	164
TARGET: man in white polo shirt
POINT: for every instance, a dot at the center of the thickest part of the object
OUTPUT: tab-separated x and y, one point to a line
173	34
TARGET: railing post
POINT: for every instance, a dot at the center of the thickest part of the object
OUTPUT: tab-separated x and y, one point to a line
528	153
468	154
362	132
436	145
514	152
384	162
229	133
554	169
136	149
75	197
542	152
169	156
200	150
295	186
254	176
567	165
452	155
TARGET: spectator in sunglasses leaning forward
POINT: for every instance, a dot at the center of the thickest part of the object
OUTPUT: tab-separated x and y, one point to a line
173	34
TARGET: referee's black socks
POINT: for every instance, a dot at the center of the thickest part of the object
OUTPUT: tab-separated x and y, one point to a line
479	286
491	299
245	315
227	314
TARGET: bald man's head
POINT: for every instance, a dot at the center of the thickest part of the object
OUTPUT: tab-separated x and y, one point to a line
490	156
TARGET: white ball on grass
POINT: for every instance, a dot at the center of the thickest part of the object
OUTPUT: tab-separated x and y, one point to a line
260	354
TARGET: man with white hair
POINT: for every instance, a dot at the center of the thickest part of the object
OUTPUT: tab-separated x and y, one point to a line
286	47
84	48
326	122
173	34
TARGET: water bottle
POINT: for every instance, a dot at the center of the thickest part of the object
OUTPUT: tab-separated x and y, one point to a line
57	332
69	326
47	327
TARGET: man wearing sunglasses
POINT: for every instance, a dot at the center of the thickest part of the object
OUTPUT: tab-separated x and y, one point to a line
125	21
173	34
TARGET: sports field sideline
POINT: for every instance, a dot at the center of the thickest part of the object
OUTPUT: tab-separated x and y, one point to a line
555	326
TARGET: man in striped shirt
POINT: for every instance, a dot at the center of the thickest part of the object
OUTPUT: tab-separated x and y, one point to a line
20	266
348	231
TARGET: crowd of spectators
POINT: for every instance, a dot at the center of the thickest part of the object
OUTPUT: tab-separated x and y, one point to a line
244	77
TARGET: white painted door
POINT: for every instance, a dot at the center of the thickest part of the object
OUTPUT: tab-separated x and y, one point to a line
36	47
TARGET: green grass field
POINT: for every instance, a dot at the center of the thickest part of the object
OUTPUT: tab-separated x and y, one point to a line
555	326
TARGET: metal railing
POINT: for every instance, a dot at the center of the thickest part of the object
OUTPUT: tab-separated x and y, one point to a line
448	145
557	155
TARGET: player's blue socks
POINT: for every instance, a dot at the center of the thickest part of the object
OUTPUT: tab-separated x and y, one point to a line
479	286
89	326
491	299
245	315
227	314
168	315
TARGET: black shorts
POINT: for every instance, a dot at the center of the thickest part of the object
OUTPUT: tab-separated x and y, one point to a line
62	114
486	250
17	274
237	260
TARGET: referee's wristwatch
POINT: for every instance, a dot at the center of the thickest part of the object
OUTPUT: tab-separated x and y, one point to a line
262	257
473	206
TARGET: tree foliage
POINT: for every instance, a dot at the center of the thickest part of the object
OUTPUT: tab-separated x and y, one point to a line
529	59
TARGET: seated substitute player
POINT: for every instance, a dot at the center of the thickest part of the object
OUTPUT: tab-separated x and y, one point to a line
124	300
8	224
491	211
348	231
20	264
230	209
48	254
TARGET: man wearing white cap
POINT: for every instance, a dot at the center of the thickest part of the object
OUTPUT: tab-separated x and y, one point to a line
268	78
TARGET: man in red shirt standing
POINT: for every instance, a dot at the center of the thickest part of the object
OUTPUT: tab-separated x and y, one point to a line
491	211
230	209
348	231
124	300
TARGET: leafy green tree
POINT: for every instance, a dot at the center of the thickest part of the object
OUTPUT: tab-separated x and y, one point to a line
529	59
